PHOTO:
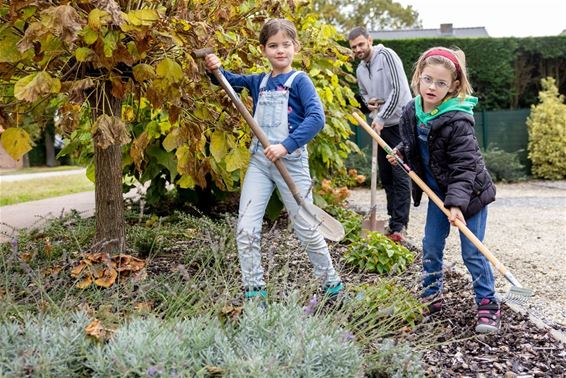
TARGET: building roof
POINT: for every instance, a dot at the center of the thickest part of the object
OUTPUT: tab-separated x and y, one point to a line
445	30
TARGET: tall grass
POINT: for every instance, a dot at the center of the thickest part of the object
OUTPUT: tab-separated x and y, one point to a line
193	282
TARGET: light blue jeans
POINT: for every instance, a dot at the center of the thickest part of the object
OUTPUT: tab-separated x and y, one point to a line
261	178
437	229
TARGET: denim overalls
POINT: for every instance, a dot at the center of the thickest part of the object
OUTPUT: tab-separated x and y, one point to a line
262	176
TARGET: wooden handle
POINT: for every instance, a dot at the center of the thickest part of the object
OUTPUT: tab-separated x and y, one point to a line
201	53
461	226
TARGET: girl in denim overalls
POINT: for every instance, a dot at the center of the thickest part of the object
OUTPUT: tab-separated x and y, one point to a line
288	109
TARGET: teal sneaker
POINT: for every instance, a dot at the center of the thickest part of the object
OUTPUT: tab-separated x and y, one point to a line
258	294
332	293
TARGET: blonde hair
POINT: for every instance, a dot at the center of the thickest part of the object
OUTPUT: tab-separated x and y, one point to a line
454	60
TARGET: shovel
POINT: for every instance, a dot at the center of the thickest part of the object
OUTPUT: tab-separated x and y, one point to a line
329	227
517	293
371	223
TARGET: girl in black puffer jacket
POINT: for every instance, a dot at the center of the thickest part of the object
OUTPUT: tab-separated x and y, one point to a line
438	142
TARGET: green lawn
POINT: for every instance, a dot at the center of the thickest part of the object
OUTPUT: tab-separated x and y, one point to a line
40	188
4	172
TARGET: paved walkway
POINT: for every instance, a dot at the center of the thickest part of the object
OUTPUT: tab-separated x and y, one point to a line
35	214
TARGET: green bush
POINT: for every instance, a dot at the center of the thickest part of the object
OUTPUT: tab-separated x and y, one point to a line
351	221
386	298
504	166
547	133
378	254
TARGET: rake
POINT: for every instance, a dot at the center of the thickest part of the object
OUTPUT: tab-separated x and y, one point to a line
517	293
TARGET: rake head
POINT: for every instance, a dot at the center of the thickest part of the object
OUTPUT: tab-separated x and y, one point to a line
518	295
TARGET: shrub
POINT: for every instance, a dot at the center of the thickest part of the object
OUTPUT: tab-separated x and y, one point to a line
547	132
280	341
502	165
49	346
396	360
351	221
378	254
386	298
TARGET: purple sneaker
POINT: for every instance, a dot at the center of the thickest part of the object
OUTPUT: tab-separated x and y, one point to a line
489	316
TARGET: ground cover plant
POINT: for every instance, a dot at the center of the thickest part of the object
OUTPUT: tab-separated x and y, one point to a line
187	299
182	313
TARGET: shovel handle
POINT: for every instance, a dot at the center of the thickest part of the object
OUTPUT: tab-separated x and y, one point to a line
256	129
461	226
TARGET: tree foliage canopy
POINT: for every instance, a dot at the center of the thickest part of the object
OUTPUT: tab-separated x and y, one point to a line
173	122
373	14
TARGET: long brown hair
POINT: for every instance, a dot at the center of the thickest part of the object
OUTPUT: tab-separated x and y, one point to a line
276	25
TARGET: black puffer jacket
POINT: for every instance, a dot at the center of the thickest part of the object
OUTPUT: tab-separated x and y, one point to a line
455	159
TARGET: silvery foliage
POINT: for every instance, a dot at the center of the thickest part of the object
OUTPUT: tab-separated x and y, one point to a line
280	341
47	346
398	360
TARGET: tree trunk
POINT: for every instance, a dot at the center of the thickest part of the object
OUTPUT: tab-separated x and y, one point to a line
109	202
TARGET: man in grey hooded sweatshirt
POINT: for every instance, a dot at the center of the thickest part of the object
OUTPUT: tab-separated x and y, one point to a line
381	76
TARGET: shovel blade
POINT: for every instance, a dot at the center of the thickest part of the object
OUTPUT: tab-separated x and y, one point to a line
329	227
367	226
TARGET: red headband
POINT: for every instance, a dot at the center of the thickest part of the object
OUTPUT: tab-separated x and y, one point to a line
451	57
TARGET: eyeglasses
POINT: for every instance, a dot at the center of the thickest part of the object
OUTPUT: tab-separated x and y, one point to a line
428	81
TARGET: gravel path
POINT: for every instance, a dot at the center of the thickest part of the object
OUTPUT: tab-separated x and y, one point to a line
526	231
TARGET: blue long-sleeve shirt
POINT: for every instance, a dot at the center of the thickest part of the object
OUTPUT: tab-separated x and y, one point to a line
306	115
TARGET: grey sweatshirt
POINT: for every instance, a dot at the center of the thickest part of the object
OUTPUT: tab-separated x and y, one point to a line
384	77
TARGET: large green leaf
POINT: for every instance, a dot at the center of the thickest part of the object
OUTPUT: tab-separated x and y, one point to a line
10	52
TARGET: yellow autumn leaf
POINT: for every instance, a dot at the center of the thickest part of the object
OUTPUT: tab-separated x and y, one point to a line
171	140
35	86
186	182
142	17
238	158
16	142
98	17
169	70
143	72
83	54
8	46
218	145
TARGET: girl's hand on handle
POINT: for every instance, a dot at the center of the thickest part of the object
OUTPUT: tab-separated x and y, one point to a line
275	151
456	213
212	62
392	159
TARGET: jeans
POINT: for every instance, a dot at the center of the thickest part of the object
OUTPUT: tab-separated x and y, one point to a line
261	178
395	181
437	229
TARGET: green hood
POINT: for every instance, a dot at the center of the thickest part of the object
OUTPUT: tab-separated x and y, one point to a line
452	104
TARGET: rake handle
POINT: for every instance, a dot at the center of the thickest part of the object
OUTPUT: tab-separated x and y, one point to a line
461	226
256	129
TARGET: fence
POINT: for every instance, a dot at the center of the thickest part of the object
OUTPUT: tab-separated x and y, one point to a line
505	129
